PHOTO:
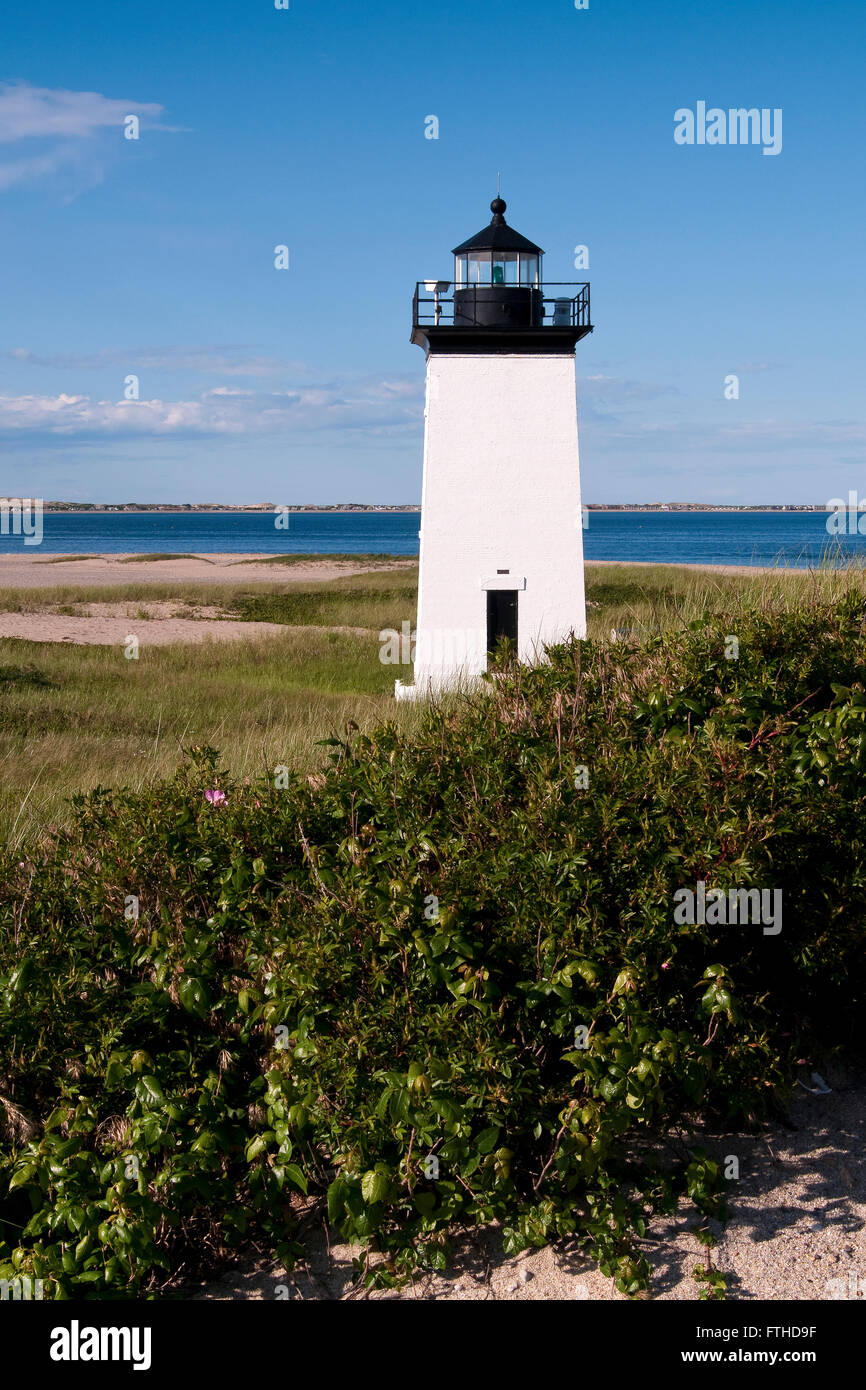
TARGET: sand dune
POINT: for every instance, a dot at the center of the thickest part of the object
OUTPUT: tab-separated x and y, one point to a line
109	631
30	571
106	624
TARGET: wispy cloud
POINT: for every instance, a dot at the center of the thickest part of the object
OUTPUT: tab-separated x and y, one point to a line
619	390
608	400
62	130
738	437
27	111
222	359
374	406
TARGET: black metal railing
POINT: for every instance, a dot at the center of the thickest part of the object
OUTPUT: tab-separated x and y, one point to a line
449	305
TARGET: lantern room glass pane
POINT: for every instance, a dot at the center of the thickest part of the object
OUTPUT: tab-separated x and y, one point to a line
479	267
496	268
529	270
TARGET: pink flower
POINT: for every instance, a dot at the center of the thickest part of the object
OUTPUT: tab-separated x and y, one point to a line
666	965
215	796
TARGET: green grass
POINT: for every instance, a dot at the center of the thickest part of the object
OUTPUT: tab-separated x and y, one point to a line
651	598
371	601
16	677
367	598
48	599
72	717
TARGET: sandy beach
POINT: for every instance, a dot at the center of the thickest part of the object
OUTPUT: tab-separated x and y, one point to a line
155	623
161	623
107	625
33	571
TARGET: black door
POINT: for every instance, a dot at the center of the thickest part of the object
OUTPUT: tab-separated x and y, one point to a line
501	617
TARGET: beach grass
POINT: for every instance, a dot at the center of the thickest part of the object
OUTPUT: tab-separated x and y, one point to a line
72	717
376	600
643	600
367	594
337	557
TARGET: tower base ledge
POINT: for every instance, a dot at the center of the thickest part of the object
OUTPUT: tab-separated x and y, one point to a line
428	685
406	691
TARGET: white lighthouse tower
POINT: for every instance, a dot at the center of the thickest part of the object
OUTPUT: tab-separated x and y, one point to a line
501	534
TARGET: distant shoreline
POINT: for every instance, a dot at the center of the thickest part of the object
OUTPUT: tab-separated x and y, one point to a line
163	509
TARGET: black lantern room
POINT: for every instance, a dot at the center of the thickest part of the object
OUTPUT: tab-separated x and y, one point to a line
498	301
497	277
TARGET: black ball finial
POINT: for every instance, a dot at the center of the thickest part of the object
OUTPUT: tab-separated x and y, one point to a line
497	207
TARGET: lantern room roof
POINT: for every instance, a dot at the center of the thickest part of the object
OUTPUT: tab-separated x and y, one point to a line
498	236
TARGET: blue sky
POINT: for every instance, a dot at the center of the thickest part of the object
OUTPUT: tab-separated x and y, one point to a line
306	127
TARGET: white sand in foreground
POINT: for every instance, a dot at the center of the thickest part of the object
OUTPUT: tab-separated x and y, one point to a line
797	1230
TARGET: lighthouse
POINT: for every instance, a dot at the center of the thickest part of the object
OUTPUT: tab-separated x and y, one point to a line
501	553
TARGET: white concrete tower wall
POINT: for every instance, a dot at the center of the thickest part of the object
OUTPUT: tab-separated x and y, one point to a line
501	491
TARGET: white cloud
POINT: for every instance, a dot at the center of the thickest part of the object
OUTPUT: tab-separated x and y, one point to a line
27	111
372	406
67	124
29	170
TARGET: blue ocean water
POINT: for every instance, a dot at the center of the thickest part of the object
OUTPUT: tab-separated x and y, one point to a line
798	539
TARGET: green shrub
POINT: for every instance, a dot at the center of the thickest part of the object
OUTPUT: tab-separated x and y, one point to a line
441	983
